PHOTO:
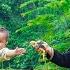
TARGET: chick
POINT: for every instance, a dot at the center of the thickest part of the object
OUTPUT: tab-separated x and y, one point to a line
39	45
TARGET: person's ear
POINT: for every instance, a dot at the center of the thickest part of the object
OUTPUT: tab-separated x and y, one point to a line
6	42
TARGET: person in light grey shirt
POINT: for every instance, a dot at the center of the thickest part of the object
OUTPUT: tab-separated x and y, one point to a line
5	53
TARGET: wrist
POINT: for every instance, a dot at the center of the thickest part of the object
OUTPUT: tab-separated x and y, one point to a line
47	49
50	52
15	52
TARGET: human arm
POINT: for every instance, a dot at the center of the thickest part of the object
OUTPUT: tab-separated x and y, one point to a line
17	51
8	54
54	56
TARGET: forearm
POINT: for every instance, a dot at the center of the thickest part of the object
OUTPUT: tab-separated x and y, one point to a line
62	60
11	53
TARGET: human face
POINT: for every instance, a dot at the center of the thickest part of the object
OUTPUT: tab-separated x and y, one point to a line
3	40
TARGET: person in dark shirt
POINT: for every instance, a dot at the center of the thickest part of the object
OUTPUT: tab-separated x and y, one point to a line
61	59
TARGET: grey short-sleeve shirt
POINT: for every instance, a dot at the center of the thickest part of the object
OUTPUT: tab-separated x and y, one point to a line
3	56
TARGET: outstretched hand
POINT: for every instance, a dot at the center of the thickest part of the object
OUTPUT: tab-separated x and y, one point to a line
19	51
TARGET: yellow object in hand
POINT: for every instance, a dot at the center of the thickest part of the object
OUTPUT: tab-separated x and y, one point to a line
38	46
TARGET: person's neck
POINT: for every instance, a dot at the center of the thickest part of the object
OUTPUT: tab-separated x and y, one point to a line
2	47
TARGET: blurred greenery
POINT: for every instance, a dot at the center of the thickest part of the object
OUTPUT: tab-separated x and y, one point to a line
27	20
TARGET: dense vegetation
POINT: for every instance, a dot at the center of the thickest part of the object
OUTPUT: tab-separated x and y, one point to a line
27	20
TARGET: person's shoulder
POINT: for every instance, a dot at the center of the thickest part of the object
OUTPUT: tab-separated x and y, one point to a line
5	49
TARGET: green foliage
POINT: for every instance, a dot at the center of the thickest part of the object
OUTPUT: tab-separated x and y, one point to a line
27	20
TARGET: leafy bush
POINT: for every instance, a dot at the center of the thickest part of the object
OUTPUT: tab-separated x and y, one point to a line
33	20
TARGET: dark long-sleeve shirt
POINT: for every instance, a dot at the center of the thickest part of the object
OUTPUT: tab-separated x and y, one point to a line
60	59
